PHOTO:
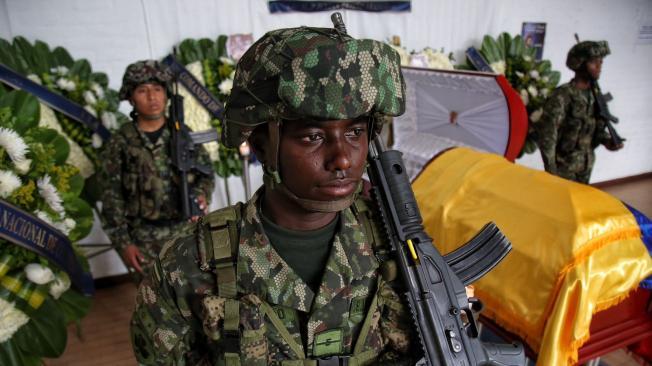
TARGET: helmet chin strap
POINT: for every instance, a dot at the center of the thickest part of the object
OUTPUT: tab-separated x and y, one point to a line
152	117
272	179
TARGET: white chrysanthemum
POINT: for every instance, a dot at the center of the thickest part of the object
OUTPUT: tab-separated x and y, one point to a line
89	97
227	60
39	274
77	157
533	91
97	89
109	120
91	110
536	115
59	225
225	86
60	285
13	144
23	166
44	217
96	141
50	194
9	182
534	74
436	59
519	74
11	319
66	84
498	67
524	96
197	117
35	78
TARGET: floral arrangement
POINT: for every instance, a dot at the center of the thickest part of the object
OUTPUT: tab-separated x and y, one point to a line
426	58
36	300
207	60
533	79
75	80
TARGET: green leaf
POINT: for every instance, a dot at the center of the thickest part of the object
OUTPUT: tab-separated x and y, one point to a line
25	108
554	78
45	335
7	56
42	59
62	57
49	136
11	355
80	211
76	184
489	50
187	52
517	47
24	52
100	78
74	305
504	40
81	68
221	45
205	44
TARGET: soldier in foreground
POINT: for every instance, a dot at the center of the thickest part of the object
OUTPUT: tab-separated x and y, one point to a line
141	197
291	277
569	130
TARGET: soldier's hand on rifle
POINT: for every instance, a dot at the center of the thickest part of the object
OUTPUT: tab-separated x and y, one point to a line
613	147
133	257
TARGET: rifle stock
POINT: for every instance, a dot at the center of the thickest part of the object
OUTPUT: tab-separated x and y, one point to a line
436	295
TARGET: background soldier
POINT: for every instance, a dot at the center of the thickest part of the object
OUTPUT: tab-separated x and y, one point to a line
568	131
293	273
141	198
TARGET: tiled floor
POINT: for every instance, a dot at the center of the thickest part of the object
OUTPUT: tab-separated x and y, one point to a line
105	330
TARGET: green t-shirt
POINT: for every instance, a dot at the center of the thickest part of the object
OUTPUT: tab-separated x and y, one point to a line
306	252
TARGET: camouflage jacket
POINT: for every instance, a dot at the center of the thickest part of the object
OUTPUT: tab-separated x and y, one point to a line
140	183
180	320
568	132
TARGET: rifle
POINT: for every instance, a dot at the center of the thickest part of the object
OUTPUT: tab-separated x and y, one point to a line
602	112
184	149
435	284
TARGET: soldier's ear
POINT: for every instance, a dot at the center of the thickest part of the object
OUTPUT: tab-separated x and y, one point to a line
259	142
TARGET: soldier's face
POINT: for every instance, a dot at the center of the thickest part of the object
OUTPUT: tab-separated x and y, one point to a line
149	99
323	160
594	68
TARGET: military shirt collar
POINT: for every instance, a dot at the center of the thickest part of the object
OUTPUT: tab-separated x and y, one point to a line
147	142
262	271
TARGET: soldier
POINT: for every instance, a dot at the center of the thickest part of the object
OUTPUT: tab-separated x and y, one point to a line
141	198
568	131
293	276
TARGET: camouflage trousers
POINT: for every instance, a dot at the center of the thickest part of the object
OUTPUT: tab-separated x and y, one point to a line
150	239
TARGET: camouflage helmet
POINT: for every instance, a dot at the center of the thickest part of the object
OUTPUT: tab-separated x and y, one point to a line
142	72
584	51
312	73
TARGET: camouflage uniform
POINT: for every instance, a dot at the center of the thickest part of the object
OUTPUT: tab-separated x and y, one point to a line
180	319
568	131
141	197
222	294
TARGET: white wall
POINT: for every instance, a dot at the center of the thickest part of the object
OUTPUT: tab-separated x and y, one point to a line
114	33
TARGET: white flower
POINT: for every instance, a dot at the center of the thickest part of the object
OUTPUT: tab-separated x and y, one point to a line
225	86
23	166
91	110
545	92
109	120
533	91
437	59
61	70
11	319
527	58
70	223
536	115
9	182
403	54
35	78
60	285
524	96
97	89
534	74
38	273
66	84
96	141
498	67
44	217
13	144
227	60
89	97
545	79
519	74
50	194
